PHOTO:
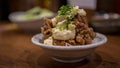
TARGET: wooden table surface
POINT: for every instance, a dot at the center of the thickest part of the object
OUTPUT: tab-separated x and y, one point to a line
17	51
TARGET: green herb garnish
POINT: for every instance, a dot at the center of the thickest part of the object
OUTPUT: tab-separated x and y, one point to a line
68	20
64	10
61	27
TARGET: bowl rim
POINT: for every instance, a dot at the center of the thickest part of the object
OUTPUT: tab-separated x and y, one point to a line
12	16
83	47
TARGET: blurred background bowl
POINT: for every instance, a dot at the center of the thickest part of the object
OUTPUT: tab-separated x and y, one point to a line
106	23
26	25
31	20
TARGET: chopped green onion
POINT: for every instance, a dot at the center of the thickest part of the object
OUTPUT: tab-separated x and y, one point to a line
64	10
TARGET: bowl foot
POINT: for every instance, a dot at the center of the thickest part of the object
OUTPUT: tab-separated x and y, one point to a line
67	61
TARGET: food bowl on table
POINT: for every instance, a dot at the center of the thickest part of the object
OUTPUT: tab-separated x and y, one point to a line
69	54
30	20
67	37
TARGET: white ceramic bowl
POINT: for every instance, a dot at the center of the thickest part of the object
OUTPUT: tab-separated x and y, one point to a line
26	25
69	53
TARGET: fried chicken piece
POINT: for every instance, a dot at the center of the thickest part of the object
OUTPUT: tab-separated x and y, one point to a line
88	40
71	42
82	19
80	40
48	23
92	33
59	42
47	28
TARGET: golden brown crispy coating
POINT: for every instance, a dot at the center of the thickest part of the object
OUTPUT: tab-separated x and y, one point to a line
84	34
47	28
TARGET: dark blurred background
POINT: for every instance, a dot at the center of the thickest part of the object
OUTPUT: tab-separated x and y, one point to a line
9	6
